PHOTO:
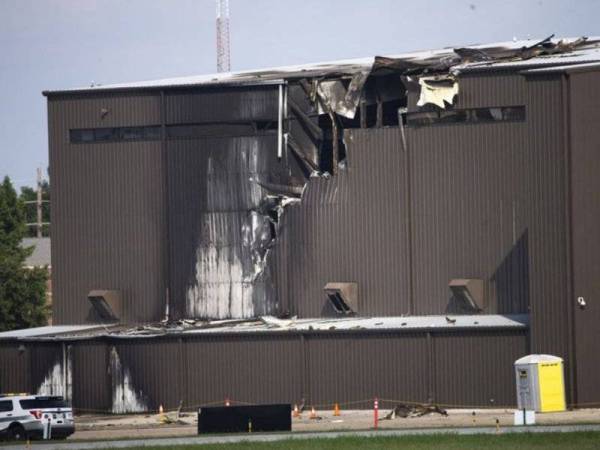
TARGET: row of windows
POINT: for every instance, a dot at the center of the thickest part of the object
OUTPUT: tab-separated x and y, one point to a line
475	115
153	132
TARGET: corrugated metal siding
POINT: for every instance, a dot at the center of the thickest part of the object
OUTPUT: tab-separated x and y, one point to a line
44	357
15	373
547	243
107	211
257	369
484	90
351	227
122	109
585	195
469	220
350	368
221	105
91	383
213	186
154	366
475	369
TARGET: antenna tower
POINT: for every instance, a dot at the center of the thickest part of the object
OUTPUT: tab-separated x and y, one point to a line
223	58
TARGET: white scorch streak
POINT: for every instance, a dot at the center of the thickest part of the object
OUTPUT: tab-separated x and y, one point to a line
54	383
124	398
222	288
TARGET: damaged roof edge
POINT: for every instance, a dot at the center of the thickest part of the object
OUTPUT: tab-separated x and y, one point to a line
475	57
267	326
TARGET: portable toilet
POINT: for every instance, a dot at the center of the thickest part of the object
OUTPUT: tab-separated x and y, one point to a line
540	383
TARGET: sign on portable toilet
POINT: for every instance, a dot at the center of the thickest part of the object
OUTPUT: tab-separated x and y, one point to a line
540	383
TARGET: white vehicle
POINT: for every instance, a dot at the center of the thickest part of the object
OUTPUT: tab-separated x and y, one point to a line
35	416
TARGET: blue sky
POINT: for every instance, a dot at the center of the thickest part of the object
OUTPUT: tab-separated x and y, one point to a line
50	44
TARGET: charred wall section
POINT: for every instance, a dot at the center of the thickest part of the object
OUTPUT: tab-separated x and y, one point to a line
222	215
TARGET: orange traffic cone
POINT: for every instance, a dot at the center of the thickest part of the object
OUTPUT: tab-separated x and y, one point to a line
336	410
227	403
313	413
161	414
296	412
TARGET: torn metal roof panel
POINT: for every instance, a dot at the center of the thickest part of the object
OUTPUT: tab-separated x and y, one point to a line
496	55
576	58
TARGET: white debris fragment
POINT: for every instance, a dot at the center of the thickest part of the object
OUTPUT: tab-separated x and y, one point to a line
437	91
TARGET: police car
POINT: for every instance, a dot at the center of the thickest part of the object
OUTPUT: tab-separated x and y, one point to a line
35	416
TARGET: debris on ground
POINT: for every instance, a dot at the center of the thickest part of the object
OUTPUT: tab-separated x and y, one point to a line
414	410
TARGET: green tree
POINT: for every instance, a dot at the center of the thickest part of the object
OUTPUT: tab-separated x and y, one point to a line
29	195
22	290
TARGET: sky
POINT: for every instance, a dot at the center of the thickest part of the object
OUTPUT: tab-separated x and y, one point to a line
53	44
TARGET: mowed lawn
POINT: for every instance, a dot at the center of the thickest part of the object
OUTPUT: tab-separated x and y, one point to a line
578	440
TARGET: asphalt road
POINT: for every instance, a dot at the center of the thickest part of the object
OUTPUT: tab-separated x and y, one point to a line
270	437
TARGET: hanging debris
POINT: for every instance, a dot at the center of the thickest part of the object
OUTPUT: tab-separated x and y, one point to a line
438	90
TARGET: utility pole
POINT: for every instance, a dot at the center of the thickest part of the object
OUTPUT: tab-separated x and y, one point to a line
223	56
39	203
39	223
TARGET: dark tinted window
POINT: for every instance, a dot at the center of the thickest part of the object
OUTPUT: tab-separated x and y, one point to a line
115	134
466	116
43	403
6	405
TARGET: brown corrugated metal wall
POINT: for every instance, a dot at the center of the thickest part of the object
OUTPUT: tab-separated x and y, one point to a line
462	201
584	143
15	370
108	221
485	200
458	368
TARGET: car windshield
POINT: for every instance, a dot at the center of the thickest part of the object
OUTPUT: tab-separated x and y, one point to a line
43	403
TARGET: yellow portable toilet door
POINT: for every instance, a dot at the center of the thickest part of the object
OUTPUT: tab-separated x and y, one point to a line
552	386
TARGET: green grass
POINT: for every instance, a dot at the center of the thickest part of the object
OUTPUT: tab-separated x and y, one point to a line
562	441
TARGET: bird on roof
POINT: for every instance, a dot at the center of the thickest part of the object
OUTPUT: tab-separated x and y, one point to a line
450	320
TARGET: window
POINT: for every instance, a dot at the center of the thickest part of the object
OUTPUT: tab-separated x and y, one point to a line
6	405
175	131
146	133
470	116
43	403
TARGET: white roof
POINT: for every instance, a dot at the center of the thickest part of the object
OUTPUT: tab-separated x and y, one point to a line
588	52
535	359
46	331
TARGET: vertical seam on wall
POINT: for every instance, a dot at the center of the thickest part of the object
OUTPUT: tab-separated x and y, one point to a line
566	110
408	200
167	250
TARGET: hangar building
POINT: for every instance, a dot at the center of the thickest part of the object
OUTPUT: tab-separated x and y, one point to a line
400	227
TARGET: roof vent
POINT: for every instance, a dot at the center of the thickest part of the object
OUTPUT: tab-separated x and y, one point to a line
106	303
469	293
343	297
